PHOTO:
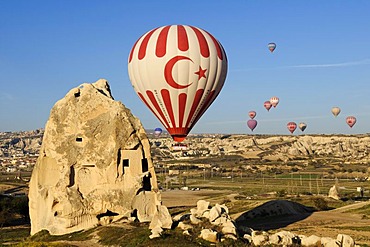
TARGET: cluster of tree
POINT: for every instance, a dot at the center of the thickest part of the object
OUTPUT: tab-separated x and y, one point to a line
13	210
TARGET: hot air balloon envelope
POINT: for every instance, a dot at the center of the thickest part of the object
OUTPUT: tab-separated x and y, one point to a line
351	120
274	101
271	46
252	124
252	114
335	110
177	71
302	126
291	126
267	105
157	132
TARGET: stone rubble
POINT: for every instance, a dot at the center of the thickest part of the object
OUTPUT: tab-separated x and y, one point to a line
225	228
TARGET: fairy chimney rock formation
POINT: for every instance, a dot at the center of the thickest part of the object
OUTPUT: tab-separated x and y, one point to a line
334	192
94	166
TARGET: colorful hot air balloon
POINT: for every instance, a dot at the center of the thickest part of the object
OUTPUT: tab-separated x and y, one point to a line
267	105
302	126
252	123
252	114
157	132
271	46
274	101
351	120
177	71
291	126
335	110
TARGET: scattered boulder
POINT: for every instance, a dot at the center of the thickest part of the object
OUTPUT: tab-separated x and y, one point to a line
216	212
161	218
184	226
283	238
222	221
345	240
209	235
202	206
260	238
156	232
310	241
194	220
226	228
229	228
329	242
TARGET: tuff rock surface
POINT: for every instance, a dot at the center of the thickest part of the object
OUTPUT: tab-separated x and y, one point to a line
334	192
94	165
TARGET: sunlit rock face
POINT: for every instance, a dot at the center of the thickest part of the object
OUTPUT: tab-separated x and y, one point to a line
94	161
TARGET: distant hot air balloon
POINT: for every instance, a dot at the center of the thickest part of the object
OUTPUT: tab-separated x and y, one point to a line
302	126
267	105
252	123
157	132
177	71
291	126
252	114
351	120
274	101
271	46
335	110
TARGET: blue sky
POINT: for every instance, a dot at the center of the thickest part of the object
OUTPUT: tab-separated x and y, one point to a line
322	59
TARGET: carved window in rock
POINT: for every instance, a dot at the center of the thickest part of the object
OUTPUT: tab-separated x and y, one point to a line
146	182
88	165
71	176
78	139
144	165
125	163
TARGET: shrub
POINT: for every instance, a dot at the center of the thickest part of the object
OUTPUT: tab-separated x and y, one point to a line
11	208
320	203
281	193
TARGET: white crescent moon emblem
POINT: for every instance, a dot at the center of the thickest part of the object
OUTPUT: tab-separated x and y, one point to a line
168	72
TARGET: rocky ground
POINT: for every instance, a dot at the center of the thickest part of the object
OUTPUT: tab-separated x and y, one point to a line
321	223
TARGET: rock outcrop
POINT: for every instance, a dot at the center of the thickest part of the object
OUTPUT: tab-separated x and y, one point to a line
347	148
94	165
334	192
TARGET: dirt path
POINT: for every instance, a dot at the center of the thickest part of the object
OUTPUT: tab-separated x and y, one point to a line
351	206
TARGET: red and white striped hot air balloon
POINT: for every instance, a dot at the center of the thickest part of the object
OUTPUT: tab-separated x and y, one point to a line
177	71
291	126
351	120
267	105
252	114
274	101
